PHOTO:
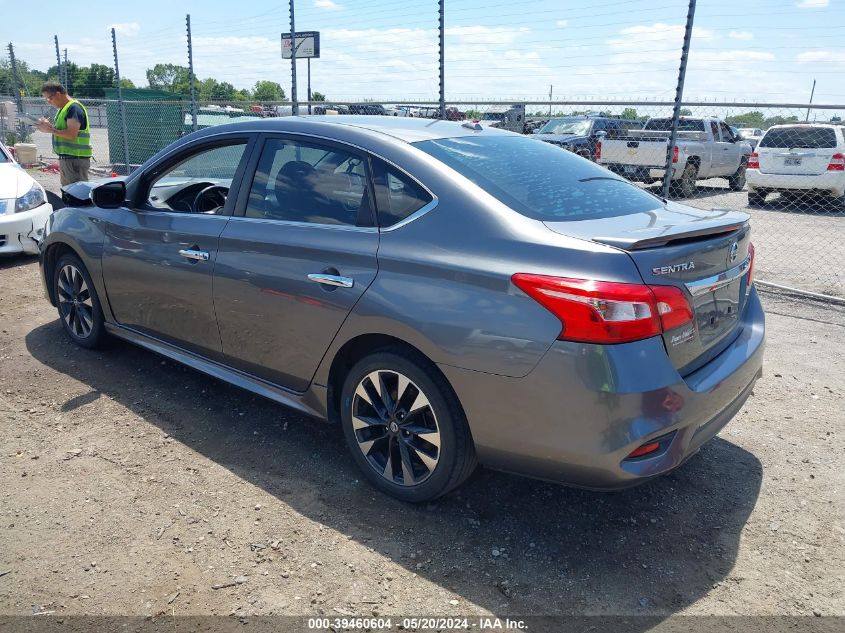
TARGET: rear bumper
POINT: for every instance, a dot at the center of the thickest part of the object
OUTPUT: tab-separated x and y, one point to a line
832	182
21	232
640	172
577	416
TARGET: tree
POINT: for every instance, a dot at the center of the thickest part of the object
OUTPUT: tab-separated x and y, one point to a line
686	112
212	90
126	83
97	78
315	96
268	91
170	77
629	113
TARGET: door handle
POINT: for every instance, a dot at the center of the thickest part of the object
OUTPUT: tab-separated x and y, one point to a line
332	280
190	253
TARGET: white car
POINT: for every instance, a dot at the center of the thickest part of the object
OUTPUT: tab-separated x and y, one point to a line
752	135
23	208
800	157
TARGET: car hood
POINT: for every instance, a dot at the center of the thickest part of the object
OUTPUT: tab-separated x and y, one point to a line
14	181
560	138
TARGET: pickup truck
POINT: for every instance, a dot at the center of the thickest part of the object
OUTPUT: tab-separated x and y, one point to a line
704	148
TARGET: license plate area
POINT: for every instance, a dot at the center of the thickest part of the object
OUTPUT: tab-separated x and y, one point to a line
631	169
791	162
717	312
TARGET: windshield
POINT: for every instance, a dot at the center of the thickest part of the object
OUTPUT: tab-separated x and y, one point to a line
803	137
538	179
684	125
567	126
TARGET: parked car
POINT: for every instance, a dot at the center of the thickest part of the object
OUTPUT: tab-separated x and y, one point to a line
581	134
23	208
505	117
704	148
799	158
448	293
367	108
752	135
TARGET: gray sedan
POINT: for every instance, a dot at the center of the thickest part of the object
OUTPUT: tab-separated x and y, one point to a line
448	294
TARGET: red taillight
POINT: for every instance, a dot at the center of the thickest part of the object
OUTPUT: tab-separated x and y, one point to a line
607	312
598	150
751	251
675	154
753	161
645	449
837	163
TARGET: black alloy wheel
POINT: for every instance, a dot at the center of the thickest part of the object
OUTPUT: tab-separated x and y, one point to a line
404	427
77	302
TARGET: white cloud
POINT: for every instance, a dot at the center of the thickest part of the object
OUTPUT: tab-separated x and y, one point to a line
326	4
736	56
813	4
821	56
634	37
126	28
741	35
562	23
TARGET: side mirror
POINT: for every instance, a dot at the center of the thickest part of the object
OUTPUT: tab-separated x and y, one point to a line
109	195
601	134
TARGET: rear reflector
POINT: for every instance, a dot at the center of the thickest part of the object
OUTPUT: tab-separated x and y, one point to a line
837	163
606	312
754	161
675	154
751	253
645	449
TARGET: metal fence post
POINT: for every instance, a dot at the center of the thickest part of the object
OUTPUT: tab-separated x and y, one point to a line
59	61
442	60
15	79
294	105
191	77
679	95
120	103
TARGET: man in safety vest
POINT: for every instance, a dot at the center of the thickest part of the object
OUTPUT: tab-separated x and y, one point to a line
71	133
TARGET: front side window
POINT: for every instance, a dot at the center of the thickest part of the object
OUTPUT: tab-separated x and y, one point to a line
727	135
538	180
199	182
299	181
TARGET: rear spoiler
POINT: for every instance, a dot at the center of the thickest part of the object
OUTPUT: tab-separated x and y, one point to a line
671	237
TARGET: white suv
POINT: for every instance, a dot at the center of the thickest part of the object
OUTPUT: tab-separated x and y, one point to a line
808	157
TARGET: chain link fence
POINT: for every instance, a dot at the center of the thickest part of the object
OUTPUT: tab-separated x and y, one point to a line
783	164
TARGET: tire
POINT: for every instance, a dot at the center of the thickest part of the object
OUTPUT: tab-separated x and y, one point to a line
756	198
77	302
685	186
394	437
737	181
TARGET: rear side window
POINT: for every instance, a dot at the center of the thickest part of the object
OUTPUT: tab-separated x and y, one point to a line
803	137
539	180
397	195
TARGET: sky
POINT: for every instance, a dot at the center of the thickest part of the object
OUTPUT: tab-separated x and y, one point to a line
387	50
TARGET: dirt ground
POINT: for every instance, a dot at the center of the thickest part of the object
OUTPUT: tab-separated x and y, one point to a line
130	485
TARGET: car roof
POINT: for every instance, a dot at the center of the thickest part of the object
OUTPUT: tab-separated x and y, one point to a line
407	129
805	124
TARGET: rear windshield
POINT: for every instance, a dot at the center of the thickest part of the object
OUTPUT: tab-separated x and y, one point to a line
803	137
540	180
684	125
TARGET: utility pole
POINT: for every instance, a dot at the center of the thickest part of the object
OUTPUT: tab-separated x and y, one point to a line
16	79
191	77
66	82
442	60
679	96
294	105
551	88
812	92
120	103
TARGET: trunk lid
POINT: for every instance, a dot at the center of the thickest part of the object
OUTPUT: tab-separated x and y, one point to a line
797	150
704	253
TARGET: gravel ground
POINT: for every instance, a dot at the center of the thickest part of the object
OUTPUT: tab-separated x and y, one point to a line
131	485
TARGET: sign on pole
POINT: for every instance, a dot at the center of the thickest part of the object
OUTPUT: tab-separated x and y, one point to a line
307	44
